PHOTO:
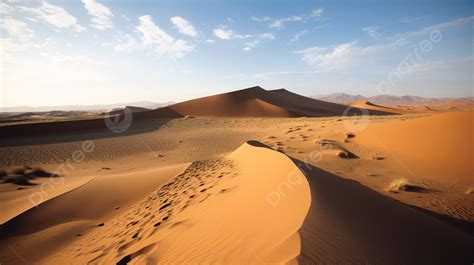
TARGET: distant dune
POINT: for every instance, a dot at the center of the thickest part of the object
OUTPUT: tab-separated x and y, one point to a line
249	102
371	106
392	101
258	102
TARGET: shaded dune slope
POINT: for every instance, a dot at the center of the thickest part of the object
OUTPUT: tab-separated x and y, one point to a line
351	224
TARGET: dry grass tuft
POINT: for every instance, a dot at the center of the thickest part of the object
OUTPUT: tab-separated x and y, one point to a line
398	185
469	190
402	184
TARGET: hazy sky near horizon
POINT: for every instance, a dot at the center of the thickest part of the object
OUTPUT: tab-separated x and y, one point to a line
101	51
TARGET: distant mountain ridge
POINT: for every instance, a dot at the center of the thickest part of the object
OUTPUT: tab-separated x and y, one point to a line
390	100
140	104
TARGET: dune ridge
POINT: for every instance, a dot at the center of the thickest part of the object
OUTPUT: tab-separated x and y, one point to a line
215	211
371	106
248	103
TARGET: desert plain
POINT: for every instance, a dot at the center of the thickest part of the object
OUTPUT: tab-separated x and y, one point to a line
252	176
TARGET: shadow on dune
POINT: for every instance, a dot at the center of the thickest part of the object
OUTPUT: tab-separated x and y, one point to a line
81	130
349	223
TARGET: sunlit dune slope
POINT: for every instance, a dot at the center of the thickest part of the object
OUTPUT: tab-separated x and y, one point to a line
245	208
371	106
440	147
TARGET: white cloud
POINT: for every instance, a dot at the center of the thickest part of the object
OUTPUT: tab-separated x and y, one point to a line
280	23
101	14
128	44
299	35
335	58
261	19
317	12
54	15
184	26
227	34
350	54
5	9
252	44
155	38
210	41
371	31
8	46
458	65
404	38
17	29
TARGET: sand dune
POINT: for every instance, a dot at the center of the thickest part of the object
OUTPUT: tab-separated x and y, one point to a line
438	147
258	102
375	107
245	208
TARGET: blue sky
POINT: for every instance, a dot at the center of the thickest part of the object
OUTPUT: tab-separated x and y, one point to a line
98	51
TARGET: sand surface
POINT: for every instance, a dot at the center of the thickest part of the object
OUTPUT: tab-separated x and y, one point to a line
279	189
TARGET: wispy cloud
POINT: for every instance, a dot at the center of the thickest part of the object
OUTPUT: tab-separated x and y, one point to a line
17	29
404	38
299	35
225	33
334	58
53	15
259	38
279	23
459	65
317	12
261	19
349	54
155	38
101	15
371	31
127	44
184	26
5	9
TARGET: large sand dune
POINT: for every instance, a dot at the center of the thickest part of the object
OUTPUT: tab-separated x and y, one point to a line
216	211
258	102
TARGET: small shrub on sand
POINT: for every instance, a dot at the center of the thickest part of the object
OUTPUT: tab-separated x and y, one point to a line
402	184
350	135
470	190
398	185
